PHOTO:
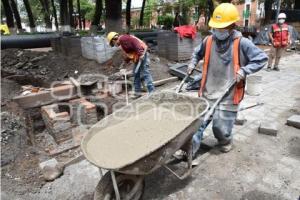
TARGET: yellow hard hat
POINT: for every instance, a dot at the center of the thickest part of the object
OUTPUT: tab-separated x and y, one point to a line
224	15
111	35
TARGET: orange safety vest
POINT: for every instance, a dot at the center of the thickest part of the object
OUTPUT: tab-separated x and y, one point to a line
239	89
280	35
134	56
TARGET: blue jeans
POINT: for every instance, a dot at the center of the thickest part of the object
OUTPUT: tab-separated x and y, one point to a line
222	128
145	72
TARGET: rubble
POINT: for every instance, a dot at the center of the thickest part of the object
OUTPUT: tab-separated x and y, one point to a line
41	68
9	127
51	169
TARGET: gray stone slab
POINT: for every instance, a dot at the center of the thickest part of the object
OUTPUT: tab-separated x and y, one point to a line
268	128
52	163
294	121
240	119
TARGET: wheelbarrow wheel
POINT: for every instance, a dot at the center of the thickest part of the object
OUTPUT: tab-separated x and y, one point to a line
131	187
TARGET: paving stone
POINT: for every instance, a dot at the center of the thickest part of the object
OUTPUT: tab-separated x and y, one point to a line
268	128
294	121
240	119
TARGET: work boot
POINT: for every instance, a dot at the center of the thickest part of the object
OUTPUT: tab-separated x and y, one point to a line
225	148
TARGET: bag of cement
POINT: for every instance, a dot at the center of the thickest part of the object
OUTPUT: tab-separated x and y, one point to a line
103	51
87	48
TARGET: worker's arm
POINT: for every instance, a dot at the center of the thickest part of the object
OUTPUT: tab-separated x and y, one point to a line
198	55
271	35
256	58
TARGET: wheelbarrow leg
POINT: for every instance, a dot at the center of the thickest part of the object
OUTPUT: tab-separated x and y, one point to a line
113	177
189	150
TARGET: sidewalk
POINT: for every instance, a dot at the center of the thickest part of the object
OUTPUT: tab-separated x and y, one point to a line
261	167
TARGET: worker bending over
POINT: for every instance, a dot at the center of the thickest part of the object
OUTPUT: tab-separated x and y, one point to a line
134	51
227	56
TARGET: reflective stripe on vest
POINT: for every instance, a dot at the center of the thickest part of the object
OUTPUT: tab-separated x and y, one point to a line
240	87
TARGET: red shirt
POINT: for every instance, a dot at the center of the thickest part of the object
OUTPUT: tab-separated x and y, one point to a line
131	45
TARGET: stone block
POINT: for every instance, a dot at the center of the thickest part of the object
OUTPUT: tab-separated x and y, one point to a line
240	119
268	128
52	163
294	121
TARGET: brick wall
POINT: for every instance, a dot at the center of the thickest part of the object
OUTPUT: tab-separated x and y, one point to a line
57	123
84	112
60	118
253	8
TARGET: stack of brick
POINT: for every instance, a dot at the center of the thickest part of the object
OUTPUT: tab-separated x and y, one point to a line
57	123
84	112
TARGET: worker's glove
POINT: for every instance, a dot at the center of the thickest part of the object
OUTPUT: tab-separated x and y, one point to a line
190	68
240	75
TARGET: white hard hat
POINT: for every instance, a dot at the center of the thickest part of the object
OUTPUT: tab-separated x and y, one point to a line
282	16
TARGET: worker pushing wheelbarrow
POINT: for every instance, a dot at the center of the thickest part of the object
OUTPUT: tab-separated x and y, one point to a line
143	136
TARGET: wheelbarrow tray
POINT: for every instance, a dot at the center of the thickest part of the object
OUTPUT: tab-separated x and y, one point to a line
114	153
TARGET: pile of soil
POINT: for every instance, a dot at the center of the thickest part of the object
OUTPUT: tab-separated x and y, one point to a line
19	161
41	68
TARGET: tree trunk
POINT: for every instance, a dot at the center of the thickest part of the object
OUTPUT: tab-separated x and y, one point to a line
128	15
113	15
71	13
268	11
142	13
46	11
79	15
64	16
30	15
97	16
9	15
54	14
297	5
16	14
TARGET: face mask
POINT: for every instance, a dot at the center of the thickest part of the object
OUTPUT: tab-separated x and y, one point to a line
281	21
221	35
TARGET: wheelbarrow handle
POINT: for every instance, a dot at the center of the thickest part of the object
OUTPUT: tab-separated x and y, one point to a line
211	111
184	80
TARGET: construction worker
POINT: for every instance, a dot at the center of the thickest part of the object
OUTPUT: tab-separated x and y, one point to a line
134	51
280	39
227	56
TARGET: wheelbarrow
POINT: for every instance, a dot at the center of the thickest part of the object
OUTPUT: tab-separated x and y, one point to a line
130	152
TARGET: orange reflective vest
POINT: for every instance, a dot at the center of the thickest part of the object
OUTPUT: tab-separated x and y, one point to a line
280	35
239	89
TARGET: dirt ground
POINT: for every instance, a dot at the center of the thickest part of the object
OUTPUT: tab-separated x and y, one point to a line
260	167
20	172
